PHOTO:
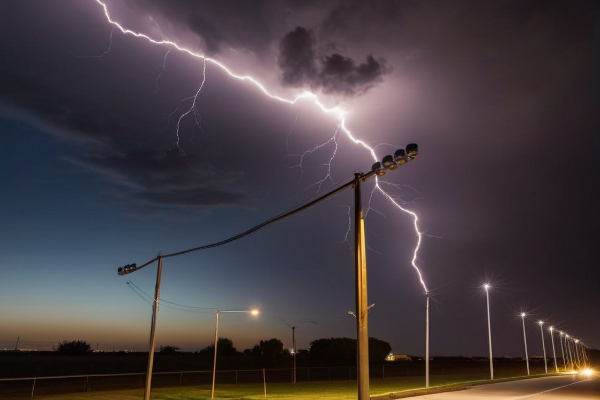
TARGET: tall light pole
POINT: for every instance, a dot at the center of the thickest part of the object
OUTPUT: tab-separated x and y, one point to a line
293	328
487	295
562	351
253	312
525	340
553	351
427	342
577	353
360	261
543	345
569	351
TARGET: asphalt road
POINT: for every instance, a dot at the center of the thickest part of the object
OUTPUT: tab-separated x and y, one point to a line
564	387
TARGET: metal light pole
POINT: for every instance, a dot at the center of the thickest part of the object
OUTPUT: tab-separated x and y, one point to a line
525	340
253	312
362	335
562	351
427	342
569	351
543	345
553	351
487	295
293	328
578	358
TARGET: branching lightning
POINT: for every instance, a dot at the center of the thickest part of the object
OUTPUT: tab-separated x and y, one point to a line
337	111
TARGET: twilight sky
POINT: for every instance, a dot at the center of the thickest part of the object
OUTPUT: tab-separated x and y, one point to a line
115	148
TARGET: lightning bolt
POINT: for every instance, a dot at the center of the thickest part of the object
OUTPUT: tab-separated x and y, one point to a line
337	111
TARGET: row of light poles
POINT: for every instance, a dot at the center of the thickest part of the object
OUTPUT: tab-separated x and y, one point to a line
580	360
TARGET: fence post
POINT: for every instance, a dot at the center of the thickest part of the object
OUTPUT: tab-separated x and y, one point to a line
33	388
180	378
85	386
265	382
236	376
382	371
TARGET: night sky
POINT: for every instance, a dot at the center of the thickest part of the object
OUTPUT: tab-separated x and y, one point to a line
115	148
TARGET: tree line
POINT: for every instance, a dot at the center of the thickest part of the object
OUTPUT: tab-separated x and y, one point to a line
269	353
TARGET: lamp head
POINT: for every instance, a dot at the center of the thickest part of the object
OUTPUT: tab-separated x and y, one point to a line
378	169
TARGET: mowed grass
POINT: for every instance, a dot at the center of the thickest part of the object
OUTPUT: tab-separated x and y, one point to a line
340	390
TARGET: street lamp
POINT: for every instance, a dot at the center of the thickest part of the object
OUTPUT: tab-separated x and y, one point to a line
543	345
525	340
553	351
253	312
293	328
487	295
577	353
568	344
562	351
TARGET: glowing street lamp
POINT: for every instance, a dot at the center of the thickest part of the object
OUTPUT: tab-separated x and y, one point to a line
525	340
543	345
293	328
553	351
577	353
487	295
568	344
253	312
562	351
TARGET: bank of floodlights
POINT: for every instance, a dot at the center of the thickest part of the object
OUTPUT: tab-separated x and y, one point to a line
400	157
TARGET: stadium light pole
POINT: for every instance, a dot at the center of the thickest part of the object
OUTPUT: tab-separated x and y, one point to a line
543	345
487	295
217	312
525	340
389	163
553	350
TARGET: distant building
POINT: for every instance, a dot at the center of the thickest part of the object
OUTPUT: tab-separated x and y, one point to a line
398	357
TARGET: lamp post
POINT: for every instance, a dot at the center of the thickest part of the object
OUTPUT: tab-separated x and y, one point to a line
293	328
525	340
253	312
569	351
427	342
577	356
562	351
543	345
553	351
487	295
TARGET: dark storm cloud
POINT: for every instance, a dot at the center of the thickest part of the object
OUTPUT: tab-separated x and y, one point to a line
169	179
301	66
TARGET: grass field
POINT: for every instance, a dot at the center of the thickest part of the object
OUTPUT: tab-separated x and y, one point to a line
344	390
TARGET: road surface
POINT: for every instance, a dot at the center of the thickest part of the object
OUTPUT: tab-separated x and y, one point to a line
563	387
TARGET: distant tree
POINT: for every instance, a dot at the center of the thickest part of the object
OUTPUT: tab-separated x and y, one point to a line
169	349
342	351
333	351
270	353
73	348
378	350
